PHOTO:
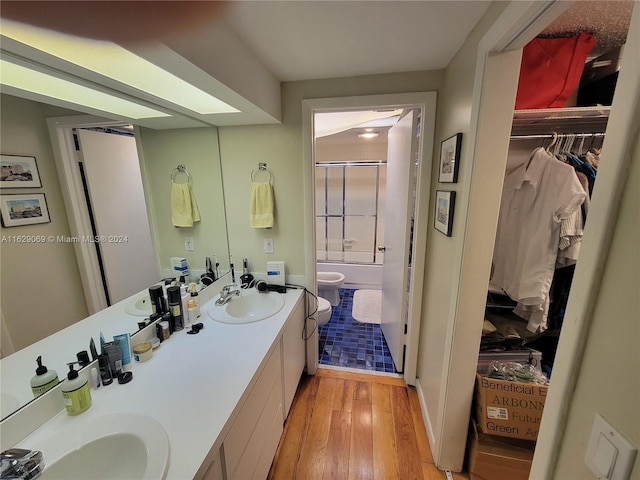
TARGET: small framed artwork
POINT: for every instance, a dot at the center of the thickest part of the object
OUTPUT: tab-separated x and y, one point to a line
26	209
450	159
443	220
18	172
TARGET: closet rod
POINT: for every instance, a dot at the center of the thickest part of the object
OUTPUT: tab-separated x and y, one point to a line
559	135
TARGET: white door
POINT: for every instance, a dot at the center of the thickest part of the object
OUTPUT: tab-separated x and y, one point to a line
400	153
117	200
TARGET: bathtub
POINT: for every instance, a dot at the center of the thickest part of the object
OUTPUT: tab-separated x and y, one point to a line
356	276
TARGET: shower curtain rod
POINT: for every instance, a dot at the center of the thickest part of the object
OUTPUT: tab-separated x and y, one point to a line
351	164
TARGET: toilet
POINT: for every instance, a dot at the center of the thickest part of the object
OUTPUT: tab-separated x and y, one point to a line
328	285
324	311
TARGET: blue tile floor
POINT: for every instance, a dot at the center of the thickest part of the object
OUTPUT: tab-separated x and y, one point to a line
345	342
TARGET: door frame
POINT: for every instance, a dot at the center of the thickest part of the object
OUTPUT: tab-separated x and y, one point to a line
71	185
426	102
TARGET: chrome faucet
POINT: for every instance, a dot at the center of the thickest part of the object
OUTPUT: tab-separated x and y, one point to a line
19	463
227	293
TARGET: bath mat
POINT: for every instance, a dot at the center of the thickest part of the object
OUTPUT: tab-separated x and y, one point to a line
367	306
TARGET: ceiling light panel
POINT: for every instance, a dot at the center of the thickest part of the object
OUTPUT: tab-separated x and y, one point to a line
112	61
23	78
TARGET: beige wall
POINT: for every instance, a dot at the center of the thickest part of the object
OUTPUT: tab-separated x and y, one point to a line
280	146
196	148
443	297
40	283
609	382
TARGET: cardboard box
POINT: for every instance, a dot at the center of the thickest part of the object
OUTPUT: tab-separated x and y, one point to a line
498	458
509	409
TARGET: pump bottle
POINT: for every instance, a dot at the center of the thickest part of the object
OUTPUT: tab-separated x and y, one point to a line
76	392
44	379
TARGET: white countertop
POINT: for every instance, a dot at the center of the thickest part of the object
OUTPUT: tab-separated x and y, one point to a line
192	385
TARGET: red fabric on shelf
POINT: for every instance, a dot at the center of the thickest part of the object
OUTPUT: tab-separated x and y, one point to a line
551	70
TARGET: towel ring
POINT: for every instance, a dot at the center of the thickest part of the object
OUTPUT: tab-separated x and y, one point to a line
178	170
262	167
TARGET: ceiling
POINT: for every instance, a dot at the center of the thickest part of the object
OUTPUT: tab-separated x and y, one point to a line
243	52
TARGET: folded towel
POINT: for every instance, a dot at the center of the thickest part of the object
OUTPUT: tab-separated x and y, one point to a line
261	206
184	209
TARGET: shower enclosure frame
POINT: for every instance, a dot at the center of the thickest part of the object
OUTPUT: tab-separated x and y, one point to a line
343	215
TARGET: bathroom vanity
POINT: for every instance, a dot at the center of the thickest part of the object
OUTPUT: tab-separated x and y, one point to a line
221	395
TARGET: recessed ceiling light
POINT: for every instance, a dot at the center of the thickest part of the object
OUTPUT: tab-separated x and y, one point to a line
117	63
368	134
25	79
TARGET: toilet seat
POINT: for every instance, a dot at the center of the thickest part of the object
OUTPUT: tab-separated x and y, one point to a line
324	311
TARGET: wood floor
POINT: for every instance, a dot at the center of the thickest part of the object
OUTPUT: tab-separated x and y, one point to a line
347	426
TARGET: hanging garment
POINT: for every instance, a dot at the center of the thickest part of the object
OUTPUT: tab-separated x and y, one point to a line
536	197
550	70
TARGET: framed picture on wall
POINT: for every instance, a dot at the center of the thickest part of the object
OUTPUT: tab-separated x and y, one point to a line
18	172
443	220
26	209
450	159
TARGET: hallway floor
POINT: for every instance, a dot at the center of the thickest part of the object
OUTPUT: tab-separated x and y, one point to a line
345	342
345	425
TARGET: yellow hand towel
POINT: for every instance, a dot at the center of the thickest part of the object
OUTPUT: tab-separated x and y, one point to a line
184	208
261	206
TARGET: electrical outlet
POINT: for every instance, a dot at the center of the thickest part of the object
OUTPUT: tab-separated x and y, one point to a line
268	245
188	243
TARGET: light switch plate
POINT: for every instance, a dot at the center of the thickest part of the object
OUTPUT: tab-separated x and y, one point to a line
188	243
609	456
268	245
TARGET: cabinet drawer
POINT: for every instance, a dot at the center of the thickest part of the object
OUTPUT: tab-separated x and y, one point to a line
261	447
264	399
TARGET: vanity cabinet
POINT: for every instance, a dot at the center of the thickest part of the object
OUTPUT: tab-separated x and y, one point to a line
251	444
293	354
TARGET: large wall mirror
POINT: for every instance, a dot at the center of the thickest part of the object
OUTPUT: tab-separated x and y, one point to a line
44	289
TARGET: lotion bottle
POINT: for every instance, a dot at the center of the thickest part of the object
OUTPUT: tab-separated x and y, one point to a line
76	392
44	379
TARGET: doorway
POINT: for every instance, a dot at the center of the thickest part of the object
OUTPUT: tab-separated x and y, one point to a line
101	182
408	319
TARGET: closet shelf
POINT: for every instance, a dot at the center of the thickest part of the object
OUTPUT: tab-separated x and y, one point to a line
560	120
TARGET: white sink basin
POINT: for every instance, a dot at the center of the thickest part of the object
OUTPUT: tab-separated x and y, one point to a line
113	447
140	306
251	306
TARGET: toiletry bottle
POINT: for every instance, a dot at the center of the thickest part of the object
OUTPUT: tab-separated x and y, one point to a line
184	298
175	308
76	393
193	287
246	278
44	379
191	312
158	302
106	378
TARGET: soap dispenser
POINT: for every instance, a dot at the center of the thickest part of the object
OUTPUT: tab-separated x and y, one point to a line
76	392
44	379
246	278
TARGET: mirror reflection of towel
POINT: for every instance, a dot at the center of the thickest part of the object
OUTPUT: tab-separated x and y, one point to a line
261	205
184	208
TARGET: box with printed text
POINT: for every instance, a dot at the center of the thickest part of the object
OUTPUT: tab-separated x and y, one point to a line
509	409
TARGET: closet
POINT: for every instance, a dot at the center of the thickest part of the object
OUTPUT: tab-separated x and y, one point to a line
571	135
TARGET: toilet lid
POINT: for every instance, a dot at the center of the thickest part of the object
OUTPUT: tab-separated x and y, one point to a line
323	304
